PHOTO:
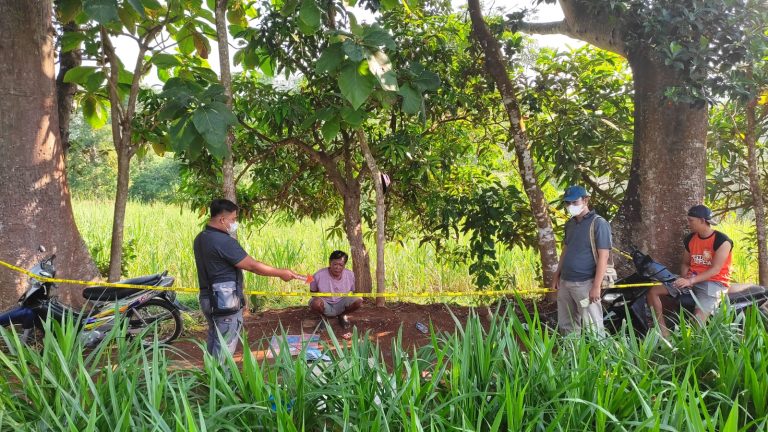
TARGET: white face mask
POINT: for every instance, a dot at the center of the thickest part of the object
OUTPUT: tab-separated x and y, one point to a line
575	209
232	229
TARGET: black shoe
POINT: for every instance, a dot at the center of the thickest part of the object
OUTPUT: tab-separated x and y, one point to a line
344	321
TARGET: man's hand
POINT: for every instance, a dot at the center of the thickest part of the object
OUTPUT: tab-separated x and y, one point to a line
288	275
683	283
594	294
556	281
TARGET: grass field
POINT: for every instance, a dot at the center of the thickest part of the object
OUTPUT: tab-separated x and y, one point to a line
161	237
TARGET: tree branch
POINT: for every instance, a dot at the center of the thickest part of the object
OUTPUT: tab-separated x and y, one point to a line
316	155
596	24
541	28
596	187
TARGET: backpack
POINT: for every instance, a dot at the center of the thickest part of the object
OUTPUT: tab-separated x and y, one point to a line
610	271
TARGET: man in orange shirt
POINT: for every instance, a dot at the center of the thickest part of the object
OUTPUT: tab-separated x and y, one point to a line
706	265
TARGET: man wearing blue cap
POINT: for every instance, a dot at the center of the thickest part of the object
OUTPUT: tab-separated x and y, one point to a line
581	268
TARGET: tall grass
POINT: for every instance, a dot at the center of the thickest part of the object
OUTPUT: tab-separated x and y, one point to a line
509	374
163	236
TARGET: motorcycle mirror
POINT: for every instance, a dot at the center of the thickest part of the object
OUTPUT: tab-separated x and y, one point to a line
41	248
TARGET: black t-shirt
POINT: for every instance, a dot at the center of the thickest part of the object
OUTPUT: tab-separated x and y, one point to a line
216	254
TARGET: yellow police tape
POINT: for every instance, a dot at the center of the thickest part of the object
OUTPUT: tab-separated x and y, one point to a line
491	293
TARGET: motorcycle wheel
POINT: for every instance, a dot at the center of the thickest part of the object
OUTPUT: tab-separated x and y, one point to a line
159	318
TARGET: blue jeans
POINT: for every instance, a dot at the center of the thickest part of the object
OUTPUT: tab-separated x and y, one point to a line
228	326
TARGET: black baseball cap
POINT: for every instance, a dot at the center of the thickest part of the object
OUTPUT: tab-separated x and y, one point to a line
703	212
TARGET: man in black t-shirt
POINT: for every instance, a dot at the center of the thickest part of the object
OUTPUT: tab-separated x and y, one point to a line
220	262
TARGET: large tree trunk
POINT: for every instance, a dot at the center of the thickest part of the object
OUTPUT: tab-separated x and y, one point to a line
381	220
496	67
65	92
228	170
750	138
118	216
353	226
668	173
35	205
669	154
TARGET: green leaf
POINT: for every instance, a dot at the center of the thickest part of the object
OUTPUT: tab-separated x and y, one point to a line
212	122
152	4
171	110
125	77
376	36
128	17
159	148
424	80
95	81
237	16
381	68
79	74
331	128
102	11
163	74
71	41
182	133
185	40
94	111
674	48
352	117
325	114
309	14
67	10
266	63
353	50
354	87
356	28
388	4
289	6
330	59
411	99
138	7
165	61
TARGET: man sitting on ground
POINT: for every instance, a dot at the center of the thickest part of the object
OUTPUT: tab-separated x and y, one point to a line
706	265
335	279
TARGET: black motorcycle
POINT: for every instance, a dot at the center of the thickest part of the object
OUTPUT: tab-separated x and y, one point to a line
156	311
622	305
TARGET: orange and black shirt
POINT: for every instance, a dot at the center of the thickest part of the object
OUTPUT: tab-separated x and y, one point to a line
702	252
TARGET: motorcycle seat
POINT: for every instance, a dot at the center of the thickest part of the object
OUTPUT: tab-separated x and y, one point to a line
744	291
102	293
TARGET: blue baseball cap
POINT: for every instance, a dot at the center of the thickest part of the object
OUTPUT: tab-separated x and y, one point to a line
703	212
574	192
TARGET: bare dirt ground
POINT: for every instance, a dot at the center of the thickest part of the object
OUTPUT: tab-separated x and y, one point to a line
381	324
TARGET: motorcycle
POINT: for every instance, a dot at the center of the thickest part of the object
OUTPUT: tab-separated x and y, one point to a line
155	310
622	305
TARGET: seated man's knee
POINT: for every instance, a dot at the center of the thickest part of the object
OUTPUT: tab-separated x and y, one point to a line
317	305
355	305
657	291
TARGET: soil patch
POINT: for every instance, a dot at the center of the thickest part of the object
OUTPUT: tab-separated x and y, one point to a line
381	324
